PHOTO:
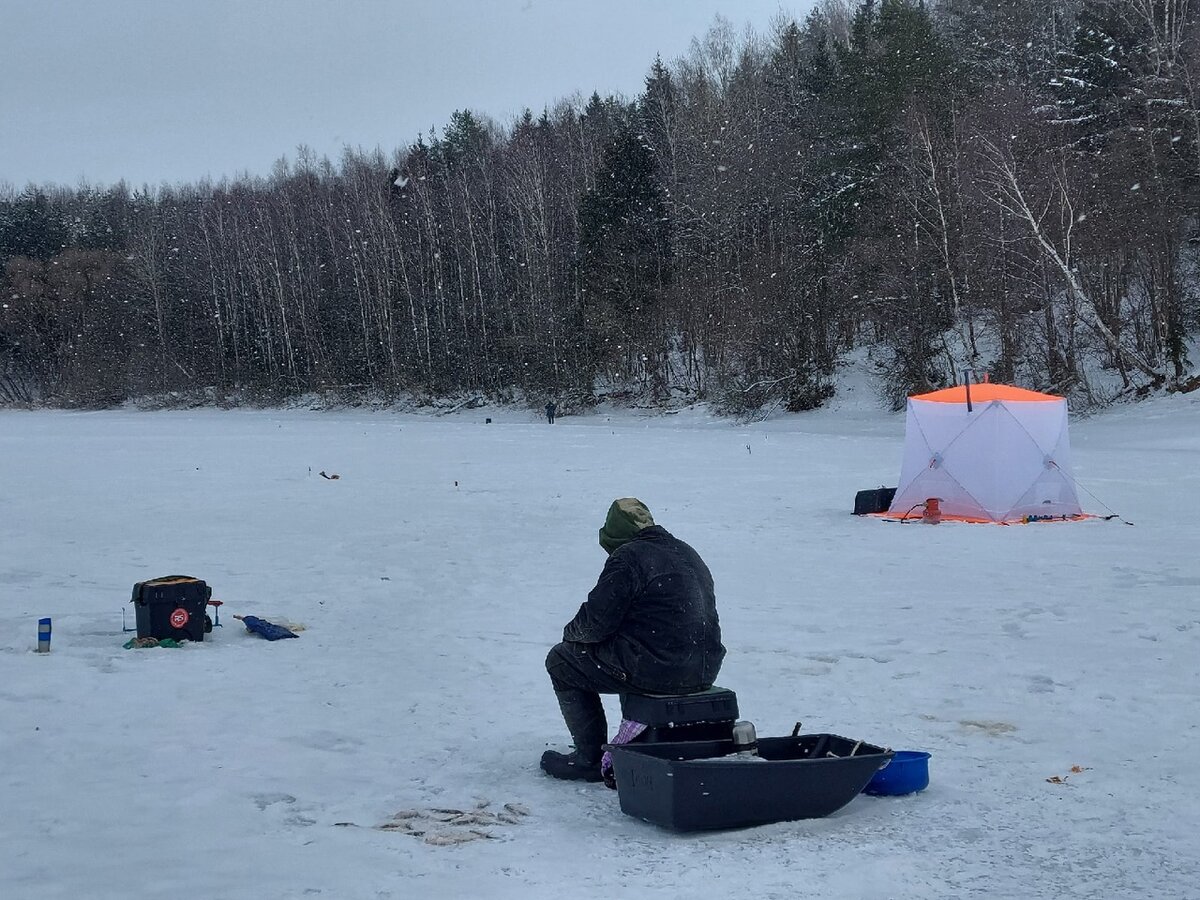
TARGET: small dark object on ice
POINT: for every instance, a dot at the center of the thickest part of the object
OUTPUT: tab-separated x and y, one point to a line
263	628
334	477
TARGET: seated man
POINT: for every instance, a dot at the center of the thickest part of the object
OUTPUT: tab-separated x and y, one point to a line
649	626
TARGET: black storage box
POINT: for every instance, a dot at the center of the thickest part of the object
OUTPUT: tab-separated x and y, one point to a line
706	716
717	704
701	785
172	607
876	500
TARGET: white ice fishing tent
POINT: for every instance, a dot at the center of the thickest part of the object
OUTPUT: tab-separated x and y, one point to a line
1004	456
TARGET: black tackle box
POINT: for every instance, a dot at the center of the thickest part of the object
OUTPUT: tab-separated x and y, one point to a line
172	607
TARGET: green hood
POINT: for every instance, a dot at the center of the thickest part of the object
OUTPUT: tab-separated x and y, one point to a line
625	519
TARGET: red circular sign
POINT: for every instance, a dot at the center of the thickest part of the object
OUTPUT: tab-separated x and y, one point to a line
179	618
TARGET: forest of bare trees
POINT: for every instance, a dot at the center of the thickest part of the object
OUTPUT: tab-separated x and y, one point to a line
1010	186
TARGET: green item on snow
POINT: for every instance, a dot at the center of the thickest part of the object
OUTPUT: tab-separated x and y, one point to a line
626	517
143	643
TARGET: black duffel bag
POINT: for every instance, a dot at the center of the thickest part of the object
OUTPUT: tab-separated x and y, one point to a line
875	500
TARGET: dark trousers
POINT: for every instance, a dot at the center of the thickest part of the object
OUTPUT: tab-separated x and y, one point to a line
578	683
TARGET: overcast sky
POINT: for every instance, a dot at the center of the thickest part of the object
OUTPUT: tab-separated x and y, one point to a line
156	91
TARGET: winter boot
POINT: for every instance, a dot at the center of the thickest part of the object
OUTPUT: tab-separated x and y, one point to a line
584	714
576	766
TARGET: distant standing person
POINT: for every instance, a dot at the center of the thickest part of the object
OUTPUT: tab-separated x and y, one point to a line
551	408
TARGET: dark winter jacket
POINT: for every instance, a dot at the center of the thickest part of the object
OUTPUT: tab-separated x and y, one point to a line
652	617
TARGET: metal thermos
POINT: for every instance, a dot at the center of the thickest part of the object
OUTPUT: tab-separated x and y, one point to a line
745	741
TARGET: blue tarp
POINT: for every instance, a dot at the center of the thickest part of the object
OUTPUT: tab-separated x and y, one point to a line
263	628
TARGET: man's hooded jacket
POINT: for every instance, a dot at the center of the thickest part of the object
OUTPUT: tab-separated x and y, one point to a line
651	619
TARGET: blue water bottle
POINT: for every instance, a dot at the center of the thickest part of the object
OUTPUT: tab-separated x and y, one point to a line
43	635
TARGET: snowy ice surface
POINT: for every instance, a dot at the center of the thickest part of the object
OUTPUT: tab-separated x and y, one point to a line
221	770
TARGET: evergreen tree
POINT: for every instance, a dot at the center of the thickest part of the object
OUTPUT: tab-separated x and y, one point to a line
895	62
656	116
1006	41
1094	86
624	250
32	225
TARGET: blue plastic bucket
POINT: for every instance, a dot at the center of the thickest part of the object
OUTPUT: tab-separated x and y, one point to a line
907	773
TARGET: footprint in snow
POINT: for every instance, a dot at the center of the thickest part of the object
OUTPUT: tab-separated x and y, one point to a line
262	801
995	729
1041	684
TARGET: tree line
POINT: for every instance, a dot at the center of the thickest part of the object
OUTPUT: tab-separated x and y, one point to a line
1009	186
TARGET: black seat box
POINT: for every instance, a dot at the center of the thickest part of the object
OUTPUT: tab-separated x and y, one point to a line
172	607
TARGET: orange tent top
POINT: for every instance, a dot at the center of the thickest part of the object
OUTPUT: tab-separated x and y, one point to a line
982	393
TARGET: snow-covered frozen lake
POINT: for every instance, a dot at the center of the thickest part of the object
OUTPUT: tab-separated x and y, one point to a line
432	576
